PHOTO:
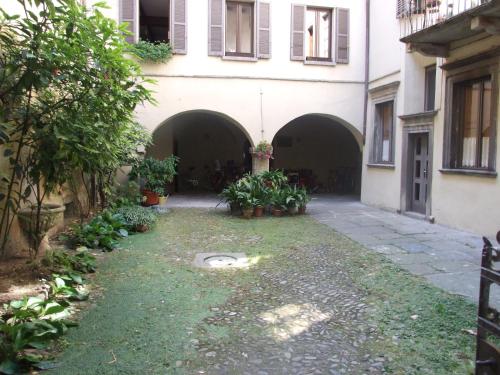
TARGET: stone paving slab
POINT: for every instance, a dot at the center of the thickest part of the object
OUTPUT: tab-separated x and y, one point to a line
448	258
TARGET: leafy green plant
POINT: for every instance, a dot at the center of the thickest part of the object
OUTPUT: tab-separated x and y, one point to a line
302	197
61	261
155	173
63	287
127	194
103	231
28	325
70	92
137	216
157	52
274	179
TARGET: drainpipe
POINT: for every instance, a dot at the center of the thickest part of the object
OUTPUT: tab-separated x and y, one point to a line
367	68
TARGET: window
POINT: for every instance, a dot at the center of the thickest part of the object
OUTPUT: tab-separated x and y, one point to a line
430	88
239	28
318	34
154	20
472	129
383	133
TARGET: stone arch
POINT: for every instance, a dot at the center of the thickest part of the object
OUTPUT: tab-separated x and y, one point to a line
213	149
322	151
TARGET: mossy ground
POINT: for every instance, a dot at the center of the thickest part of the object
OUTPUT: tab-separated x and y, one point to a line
154	303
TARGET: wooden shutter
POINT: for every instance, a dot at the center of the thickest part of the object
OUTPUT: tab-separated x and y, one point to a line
178	26
128	15
264	31
216	27
342	45
400	8
298	31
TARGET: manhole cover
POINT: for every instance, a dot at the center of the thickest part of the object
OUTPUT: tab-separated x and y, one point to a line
221	260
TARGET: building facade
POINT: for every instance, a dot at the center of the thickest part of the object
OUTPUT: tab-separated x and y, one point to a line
432	133
393	100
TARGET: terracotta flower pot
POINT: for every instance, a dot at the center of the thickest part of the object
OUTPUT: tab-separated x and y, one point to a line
141	228
247	212
277	212
302	210
258	211
152	198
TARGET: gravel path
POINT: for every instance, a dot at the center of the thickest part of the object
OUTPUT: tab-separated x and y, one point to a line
302	317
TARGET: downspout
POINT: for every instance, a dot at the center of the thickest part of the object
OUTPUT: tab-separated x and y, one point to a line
367	69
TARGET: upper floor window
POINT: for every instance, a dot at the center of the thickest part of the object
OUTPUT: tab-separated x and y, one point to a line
239	28
430	88
319	34
154	16
472	130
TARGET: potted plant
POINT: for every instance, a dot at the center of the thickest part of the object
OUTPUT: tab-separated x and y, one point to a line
278	201
247	203
156	174
137	218
303	199
230	196
291	200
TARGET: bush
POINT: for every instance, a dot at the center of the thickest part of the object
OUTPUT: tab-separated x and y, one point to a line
137	216
128	194
102	231
60	261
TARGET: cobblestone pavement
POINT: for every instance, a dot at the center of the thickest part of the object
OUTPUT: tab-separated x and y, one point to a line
302	317
448	258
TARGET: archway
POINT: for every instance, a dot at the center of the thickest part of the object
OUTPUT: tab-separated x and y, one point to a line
320	152
212	147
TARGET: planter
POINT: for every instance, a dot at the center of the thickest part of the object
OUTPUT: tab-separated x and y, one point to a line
258	211
152	198
235	209
302	210
141	228
293	210
48	216
277	212
162	201
247	212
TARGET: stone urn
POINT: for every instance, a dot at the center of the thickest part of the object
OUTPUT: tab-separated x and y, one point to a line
48	216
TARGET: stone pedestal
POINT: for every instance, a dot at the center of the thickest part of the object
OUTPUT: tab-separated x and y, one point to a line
259	165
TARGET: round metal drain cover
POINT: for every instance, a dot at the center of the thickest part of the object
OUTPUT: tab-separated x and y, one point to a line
217	261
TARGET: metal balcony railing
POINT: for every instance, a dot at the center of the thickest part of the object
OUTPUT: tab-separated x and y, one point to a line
418	15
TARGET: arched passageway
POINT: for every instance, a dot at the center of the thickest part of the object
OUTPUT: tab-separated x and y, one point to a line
213	150
321	153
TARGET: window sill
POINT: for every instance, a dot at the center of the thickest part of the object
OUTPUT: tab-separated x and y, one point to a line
470	172
240	58
381	165
319	62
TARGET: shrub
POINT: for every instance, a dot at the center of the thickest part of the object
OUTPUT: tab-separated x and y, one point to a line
102	231
156	173
137	216
60	261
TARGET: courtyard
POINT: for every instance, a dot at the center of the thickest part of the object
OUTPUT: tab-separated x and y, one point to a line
311	301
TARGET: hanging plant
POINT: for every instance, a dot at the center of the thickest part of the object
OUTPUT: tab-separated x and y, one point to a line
263	151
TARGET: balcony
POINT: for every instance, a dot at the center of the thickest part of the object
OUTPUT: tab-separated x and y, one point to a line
430	26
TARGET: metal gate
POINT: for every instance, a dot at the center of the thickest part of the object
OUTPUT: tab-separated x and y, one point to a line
488	321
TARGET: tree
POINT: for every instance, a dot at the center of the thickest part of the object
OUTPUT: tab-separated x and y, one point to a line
67	99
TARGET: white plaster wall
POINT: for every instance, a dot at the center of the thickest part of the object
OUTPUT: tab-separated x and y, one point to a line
381	187
468	202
